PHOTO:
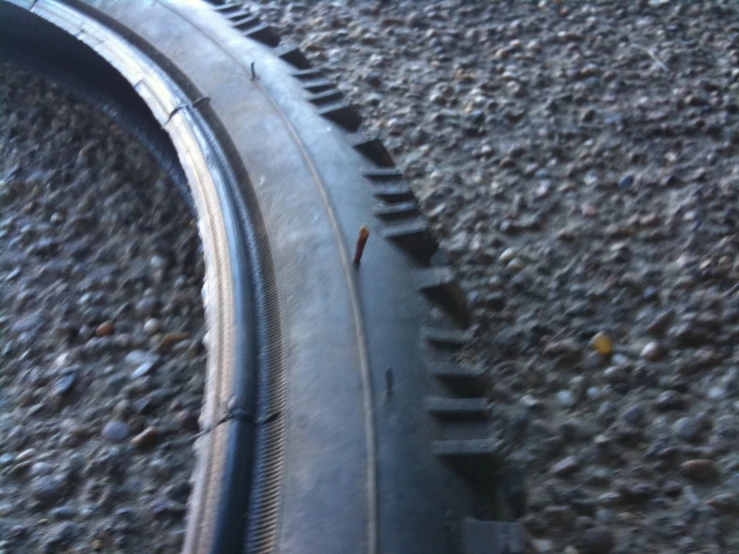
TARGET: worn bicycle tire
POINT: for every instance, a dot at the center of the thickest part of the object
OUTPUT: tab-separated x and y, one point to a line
334	419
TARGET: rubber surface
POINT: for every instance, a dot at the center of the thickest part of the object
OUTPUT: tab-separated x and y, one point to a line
318	437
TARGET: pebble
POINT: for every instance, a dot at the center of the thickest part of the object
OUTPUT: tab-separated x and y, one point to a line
64	385
152	326
47	489
146	439
566	466
566	399
687	429
104	329
599	540
700	470
543	546
135	358
64	512
669	400
41	468
26	455
560	516
633	415
652	351
725	503
615	374
188	421
602	344
116	431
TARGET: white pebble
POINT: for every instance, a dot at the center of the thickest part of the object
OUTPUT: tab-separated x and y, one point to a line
508	255
594	393
565	399
152	326
158	262
516	264
716	393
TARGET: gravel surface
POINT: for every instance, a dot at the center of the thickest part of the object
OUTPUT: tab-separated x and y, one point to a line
101	321
578	160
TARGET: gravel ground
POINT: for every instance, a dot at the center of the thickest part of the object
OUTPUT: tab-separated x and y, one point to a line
101	321
578	160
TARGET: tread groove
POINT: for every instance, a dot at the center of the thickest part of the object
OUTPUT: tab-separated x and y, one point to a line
290	53
265	34
413	236
438	284
373	149
343	114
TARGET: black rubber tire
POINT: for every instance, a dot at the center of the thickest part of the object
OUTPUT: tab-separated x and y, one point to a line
325	429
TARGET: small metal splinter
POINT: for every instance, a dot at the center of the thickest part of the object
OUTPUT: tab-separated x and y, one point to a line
361	241
253	72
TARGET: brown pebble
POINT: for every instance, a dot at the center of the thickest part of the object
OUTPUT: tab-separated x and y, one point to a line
566	466
700	469
725	503
105	329
170	339
188	421
146	439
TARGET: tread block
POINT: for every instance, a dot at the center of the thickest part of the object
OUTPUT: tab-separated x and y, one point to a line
393	193
494	537
228	9
342	113
311	73
439	285
373	149
477	460
266	34
450	338
413	236
245	23
318	85
457	408
383	174
292	55
326	97
464	449
465	380
396	210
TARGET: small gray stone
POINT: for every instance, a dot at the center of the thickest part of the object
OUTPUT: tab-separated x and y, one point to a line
599	540
40	468
566	466
116	431
46	489
566	399
64	512
137	357
687	429
716	393
64	385
560	516
668	400
633	415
